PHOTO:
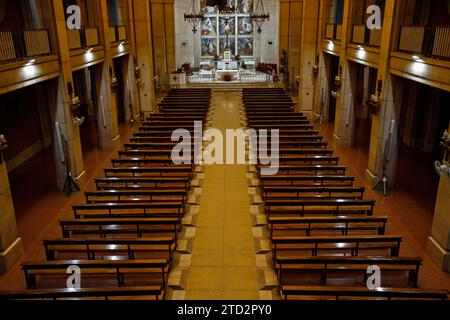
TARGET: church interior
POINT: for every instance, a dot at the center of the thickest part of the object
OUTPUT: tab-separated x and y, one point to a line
124	174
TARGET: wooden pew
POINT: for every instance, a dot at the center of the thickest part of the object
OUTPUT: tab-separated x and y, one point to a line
355	244
169	122
148	182
182	170
277	117
291	160
311	170
169	117
344	293
153	271
162	153
275	122
309	225
129	210
267	114
319	206
283	128
136	196
99	249
304	193
167	128
164	140
306	180
103	228
123	293
292	138
299	151
286	265
157	146
141	162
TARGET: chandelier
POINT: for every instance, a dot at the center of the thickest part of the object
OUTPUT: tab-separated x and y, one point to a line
259	15
194	16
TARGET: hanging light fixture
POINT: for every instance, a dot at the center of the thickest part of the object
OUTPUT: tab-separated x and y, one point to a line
194	16
259	15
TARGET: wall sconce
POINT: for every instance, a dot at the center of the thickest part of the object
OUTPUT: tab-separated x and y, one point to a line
374	103
3	146
113	79
337	82
137	73
315	67
443	168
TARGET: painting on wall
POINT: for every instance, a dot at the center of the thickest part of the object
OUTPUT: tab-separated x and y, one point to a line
209	47
209	26
245	26
245	6
245	46
227	25
237	26
231	45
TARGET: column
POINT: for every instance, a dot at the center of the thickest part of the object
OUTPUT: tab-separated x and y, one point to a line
107	104
62	112
381	122
11	247
345	105
308	56
343	125
144	53
438	246
159	38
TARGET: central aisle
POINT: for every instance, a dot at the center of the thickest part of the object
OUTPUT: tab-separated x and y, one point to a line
223	263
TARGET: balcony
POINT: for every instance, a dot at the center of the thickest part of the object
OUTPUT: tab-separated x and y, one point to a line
118	33
366	37
333	31
24	44
87	37
431	42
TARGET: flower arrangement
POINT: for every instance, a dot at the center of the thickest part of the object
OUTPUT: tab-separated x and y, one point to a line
227	77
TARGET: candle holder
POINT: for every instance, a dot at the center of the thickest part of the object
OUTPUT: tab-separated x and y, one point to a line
374	103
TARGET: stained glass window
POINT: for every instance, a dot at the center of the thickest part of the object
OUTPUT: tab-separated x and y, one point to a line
237	27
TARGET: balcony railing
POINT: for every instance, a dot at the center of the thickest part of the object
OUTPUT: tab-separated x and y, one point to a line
431	42
121	33
112	34
85	38
363	36
74	39
118	33
7	47
333	31
441	43
375	37
19	45
91	36
359	34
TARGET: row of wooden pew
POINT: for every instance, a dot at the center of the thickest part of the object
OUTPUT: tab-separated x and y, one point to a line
323	231
124	237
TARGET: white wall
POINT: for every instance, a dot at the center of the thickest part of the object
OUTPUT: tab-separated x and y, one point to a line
190	51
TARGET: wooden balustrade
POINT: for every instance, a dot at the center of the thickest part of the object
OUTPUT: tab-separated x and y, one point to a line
7	48
36	42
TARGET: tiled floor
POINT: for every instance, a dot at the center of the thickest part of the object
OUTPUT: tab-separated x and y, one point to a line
223	264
